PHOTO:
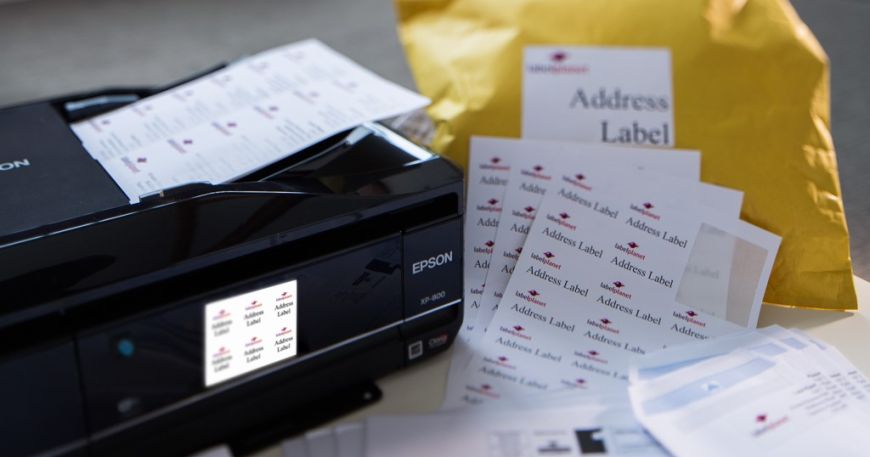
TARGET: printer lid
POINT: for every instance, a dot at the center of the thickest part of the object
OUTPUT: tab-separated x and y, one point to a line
370	171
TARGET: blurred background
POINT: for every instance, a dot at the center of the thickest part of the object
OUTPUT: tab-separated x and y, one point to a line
52	47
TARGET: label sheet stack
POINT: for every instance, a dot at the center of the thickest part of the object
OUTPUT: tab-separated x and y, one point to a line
239	119
580	255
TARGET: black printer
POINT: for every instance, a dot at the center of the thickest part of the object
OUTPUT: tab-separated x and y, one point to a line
234	313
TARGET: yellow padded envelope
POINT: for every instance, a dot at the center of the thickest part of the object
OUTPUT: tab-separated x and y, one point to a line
750	88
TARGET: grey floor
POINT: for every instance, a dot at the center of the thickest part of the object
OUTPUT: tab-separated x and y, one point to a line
49	47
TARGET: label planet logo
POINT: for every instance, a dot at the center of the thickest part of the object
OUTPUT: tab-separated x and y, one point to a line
253	305
531	296
562	220
603	324
254	341
590	355
283	331
645	209
577	181
494	164
767	424
547	259
616	288
284	296
527	213
491	205
536	172
486	249
483	389
222	314
517	331
501	361
515	255
222	352
578	383
630	248
690	317
557	64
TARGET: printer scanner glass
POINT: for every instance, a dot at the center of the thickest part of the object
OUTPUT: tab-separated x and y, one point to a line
249	331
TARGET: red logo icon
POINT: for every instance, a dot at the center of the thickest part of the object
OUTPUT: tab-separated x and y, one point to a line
618	284
648	205
534	293
581	381
141	160
518	328
519	250
633	245
761	418
537	168
549	255
691	313
529	209
492	201
489	243
606	321
231	124
564	215
502	359
485	386
495	160
593	353
558	56
188	141
579	177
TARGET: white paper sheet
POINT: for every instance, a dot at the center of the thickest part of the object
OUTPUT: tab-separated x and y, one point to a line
590	428
574	322
490	164
594	94
761	399
350	440
239	119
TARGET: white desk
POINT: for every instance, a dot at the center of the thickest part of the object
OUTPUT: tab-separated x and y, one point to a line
421	388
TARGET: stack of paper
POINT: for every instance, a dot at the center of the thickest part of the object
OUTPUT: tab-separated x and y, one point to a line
569	423
580	255
773	392
239	119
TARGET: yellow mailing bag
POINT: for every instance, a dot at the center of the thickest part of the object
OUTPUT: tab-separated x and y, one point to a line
750	88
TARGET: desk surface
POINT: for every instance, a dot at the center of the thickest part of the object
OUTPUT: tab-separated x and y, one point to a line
421	388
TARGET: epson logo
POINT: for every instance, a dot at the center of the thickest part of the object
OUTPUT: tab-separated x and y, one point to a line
432	262
14	164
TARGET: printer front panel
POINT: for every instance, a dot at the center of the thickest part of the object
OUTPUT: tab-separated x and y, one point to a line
143	364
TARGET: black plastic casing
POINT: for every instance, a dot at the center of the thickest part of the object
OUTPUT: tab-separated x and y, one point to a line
368	224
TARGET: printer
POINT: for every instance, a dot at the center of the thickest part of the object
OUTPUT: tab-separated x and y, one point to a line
236	313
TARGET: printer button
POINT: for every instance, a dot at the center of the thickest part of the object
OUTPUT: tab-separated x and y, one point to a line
415	350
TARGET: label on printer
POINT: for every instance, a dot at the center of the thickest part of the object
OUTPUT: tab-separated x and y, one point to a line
250	331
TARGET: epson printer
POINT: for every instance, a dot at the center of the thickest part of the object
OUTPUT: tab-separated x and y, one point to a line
113	317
